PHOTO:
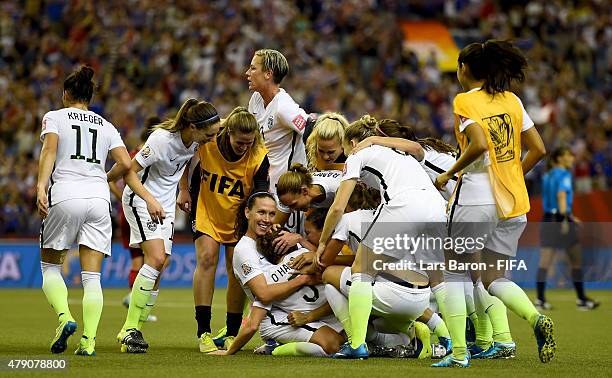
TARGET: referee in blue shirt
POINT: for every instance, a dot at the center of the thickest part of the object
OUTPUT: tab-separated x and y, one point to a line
558	230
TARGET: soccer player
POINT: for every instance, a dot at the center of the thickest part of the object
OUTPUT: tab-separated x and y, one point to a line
135	253
437	157
414	204
149	202
324	145
231	167
558	229
282	122
73	200
491	199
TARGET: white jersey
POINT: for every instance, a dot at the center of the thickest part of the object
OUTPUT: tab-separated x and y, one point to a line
163	157
352	226
84	139
307	298
435	163
329	181
248	264
281	124
476	186
388	170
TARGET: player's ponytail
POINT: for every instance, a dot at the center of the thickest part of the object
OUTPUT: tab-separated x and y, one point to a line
293	180
497	63
79	85
364	127
201	114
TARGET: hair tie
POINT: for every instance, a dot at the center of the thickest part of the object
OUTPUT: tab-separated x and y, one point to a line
205	122
379	130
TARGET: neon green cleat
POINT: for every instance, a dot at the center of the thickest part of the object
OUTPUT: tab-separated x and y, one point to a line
62	333
421	333
87	347
220	338
227	343
206	343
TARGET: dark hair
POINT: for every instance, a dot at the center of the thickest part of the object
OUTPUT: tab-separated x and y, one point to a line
557	153
496	62
148	127
364	197
317	217
265	245
79	85
242	223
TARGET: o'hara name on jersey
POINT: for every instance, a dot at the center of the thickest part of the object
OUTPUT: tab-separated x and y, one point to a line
281	271
220	184
85	117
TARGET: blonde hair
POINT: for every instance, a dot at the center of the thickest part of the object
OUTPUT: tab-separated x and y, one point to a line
240	120
293	180
329	126
364	127
201	114
272	60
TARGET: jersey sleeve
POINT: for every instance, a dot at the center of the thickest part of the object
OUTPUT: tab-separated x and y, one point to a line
341	232
527	121
115	139
151	152
464	122
246	264
49	125
353	165
292	116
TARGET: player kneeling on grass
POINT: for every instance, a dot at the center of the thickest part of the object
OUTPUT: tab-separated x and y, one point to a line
275	291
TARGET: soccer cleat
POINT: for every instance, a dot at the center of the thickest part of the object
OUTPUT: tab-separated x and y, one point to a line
422	340
450	361
62	333
132	341
542	305
474	349
402	351
545	338
498	350
86	347
446	343
219	340
267	348
206	343
586	304
348	352
227	343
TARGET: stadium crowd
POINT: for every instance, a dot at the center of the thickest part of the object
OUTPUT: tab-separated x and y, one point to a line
345	56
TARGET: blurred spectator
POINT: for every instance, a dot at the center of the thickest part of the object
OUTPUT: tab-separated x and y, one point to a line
345	56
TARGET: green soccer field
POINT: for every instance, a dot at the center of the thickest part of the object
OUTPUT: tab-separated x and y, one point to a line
29	323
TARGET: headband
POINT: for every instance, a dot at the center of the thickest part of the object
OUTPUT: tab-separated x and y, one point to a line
257	194
206	122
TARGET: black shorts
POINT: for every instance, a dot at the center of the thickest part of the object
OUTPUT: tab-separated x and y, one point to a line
551	235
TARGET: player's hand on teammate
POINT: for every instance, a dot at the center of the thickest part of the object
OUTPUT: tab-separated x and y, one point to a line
319	254
184	200
302	260
42	203
367	142
312	279
156	211
298	318
285	241
441	180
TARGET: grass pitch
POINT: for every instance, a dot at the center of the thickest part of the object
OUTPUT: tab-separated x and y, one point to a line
29	323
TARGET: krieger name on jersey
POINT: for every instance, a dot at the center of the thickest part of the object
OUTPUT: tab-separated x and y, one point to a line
85	117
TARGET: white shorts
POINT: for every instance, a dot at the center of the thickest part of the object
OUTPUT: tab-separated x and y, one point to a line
412	215
482	221
276	327
142	227
390	300
86	221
